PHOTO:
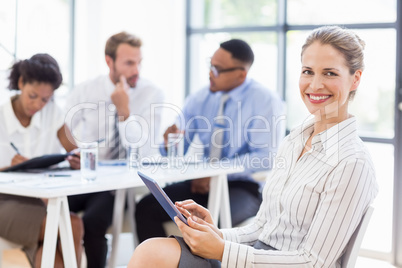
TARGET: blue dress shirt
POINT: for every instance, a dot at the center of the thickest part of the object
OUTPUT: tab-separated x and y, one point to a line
254	125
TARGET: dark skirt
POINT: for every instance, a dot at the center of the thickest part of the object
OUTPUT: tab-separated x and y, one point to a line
188	259
20	221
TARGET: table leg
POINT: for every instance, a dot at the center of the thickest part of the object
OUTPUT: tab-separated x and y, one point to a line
219	202
225	214
214	199
118	214
58	215
131	212
66	236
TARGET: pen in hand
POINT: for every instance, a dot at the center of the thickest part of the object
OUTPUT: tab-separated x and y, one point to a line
15	148
18	158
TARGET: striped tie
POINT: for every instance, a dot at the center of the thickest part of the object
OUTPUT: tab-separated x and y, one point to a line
215	151
117	150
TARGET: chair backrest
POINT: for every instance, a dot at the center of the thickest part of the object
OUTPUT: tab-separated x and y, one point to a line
352	249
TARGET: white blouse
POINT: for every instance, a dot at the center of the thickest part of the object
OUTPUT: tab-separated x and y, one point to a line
312	205
39	138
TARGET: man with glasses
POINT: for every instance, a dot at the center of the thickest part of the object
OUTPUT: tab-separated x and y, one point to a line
238	121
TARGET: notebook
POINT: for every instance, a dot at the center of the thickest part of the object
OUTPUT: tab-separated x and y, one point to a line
162	198
39	162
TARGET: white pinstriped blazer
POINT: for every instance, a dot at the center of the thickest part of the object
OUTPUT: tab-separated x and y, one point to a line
311	205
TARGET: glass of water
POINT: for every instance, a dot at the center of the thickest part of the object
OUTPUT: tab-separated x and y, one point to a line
89	161
133	156
175	149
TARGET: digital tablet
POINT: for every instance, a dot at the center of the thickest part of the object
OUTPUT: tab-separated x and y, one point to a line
39	162
162	198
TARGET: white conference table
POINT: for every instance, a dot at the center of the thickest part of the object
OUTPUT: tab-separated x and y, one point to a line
110	177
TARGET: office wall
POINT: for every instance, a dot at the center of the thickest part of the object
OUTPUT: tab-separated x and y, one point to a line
159	23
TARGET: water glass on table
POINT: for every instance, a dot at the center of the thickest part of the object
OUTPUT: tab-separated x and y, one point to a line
89	161
175	149
133	156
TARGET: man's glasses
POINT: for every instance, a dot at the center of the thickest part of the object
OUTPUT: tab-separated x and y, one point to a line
216	71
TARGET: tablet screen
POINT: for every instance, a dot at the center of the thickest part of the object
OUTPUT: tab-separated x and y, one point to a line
162	198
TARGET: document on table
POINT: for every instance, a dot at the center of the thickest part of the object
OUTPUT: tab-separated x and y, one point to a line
44	180
16	177
51	182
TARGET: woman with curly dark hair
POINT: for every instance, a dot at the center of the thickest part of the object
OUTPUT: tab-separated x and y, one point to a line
32	122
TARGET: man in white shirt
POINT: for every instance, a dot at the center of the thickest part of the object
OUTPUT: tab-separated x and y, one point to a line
92	106
117	109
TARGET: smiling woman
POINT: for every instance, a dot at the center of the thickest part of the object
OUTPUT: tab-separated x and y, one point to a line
326	83
332	66
312	205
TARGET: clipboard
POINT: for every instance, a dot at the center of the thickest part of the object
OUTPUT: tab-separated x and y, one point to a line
39	162
162	197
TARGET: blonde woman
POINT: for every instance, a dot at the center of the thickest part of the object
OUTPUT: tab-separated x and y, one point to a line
310	207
